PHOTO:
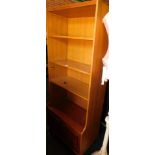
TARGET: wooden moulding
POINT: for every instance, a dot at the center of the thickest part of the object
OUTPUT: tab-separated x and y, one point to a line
84	9
53	6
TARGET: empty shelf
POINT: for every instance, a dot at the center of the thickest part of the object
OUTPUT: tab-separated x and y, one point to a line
70	114
77	66
72	85
71	37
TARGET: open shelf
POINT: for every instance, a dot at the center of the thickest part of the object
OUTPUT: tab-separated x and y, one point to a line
77	66
72	85
69	37
71	114
77	42
75	9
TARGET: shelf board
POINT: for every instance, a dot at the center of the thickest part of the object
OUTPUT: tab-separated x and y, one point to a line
69	37
77	66
72	85
78	9
71	114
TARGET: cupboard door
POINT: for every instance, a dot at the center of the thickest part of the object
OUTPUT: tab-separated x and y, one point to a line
65	134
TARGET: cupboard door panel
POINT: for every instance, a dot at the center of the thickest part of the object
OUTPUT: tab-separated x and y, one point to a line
65	134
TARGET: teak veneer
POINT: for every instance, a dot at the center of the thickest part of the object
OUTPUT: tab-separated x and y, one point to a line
77	41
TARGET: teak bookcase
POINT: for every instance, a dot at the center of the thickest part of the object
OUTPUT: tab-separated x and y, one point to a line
77	41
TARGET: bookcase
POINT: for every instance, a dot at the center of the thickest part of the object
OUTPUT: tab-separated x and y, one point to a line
77	41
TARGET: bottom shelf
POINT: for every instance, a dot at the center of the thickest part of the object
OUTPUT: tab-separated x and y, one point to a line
69	113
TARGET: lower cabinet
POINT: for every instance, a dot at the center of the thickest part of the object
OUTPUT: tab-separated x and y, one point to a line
65	134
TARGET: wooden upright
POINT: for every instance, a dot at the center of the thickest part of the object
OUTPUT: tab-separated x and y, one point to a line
77	41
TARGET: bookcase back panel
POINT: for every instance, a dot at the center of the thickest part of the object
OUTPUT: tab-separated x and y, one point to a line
77	100
79	76
83	26
57	71
80	51
57	25
57	49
